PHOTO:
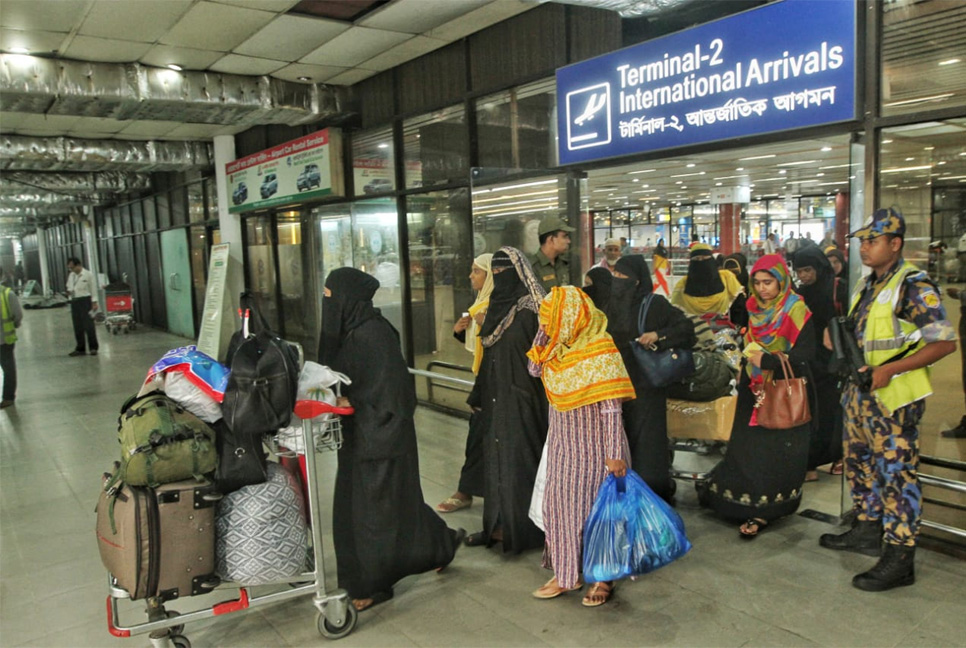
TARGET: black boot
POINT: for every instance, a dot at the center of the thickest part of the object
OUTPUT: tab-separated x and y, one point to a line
958	432
865	537
895	569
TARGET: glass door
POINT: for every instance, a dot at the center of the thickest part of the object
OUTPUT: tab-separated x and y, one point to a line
176	264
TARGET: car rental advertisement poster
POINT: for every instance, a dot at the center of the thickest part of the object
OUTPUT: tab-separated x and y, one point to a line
288	173
786	65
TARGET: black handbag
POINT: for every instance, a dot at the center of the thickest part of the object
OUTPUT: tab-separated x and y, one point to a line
660	368
264	377
241	459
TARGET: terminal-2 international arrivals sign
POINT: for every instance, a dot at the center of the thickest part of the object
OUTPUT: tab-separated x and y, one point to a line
786	65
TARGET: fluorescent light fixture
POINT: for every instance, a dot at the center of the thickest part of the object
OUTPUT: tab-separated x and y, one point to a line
19	50
795	163
641	171
172	66
910	159
304	78
523	195
383	146
517	186
762	157
772	179
951	61
826	149
959	177
910	168
938	97
690	165
687	175
645	191
801	182
838	166
730	177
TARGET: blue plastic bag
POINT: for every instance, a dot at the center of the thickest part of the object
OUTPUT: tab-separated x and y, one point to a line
630	531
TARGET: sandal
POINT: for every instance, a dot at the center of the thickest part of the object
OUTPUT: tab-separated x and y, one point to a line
454	503
836	469
598	594
361	604
552	590
811	475
751	528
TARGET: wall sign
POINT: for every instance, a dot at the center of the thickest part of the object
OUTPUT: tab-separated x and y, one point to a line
305	168
786	65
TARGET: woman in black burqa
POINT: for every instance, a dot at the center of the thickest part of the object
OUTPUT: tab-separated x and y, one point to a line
645	417
597	284
513	405
383	530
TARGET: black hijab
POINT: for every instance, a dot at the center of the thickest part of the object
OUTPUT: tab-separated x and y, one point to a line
818	296
703	279
508	288
838	254
349	306
660	250
626	295
742	273
599	290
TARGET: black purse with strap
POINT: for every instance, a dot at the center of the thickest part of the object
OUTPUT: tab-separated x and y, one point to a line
660	368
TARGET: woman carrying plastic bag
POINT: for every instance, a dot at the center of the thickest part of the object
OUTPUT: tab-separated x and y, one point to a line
585	381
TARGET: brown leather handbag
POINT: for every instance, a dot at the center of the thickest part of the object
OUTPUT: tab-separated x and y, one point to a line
783	404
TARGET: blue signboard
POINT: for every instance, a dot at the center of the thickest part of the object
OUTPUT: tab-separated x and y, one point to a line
786	65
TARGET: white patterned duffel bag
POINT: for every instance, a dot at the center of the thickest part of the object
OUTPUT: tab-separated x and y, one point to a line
261	532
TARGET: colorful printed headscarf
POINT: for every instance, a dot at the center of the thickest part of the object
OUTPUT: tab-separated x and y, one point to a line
581	364
774	325
482	302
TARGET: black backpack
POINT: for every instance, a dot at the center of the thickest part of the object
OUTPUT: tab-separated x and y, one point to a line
264	377
712	379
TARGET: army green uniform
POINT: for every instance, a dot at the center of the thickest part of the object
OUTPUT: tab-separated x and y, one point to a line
550	274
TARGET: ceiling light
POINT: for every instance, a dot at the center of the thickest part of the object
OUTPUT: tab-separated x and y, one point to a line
928	148
383	146
795	163
740	169
938	97
641	171
637	180
172	66
763	157
910	159
717	184
943	162
949	61
901	169
886	141
782	172
678	181
826	149
690	165
304	78
19	50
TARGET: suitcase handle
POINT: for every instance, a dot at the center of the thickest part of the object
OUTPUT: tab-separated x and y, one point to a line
309	409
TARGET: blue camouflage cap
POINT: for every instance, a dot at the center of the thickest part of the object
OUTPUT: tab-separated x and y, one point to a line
883	221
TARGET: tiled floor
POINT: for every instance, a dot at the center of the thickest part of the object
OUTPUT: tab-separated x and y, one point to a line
780	590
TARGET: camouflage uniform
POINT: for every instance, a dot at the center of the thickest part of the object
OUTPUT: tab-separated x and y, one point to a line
882	451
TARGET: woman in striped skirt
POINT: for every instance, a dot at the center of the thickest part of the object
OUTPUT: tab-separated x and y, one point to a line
586	382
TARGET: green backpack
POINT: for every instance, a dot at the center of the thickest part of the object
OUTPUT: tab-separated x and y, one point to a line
161	442
712	379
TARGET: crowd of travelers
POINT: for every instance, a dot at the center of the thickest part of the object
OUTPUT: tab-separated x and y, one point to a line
558	381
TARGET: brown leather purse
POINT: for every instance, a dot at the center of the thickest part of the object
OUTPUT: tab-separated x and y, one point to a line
783	404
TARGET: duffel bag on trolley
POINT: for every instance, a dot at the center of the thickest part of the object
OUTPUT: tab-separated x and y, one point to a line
158	542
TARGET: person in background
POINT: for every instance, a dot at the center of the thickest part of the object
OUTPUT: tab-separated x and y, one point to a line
760	478
959	432
513	405
12	317
791	244
551	262
706	290
597	284
383	530
466	330
828	240
839	265
19	277
661	261
901	325
625	247
737	264
666	327
82	291
612	252
826	296
586	382
771	246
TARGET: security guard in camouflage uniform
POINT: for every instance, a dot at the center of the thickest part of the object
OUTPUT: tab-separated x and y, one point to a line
901	327
551	262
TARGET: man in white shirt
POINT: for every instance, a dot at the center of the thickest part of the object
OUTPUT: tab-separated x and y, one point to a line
82	290
612	252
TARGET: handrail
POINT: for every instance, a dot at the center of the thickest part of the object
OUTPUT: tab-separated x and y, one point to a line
460	385
942	463
942	482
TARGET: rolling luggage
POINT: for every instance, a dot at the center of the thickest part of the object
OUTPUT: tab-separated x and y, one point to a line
159	541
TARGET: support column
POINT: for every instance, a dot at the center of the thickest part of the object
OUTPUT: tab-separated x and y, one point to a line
841	219
729	226
42	255
231	233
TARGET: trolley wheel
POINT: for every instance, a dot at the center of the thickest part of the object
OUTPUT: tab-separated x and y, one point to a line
330	631
177	629
179	641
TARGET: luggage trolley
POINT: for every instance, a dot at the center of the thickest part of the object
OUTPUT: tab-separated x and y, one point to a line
337	617
119	304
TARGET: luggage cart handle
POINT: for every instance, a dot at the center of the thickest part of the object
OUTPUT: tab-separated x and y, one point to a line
309	409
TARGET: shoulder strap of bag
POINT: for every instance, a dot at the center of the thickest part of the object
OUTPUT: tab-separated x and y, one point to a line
786	366
642	314
257	321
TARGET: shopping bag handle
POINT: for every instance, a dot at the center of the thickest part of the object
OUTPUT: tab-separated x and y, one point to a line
309	409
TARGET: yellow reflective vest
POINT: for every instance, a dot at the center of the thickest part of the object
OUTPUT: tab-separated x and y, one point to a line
887	336
9	328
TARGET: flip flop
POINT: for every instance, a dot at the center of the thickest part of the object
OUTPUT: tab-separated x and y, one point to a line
451	504
836	468
745	529
551	589
374	600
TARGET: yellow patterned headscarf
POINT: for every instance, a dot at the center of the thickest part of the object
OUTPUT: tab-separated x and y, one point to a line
580	363
473	343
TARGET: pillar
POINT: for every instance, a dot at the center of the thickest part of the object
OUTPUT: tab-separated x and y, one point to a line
841	219
231	233
42	256
729	227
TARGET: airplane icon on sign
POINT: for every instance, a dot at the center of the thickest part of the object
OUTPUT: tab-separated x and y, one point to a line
588	117
594	104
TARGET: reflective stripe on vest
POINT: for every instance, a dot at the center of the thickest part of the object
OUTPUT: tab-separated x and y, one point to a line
887	336
9	330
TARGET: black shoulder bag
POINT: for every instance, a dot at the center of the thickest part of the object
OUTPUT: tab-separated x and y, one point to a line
660	368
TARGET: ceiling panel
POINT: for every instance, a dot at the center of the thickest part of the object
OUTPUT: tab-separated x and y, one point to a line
89	48
145	21
218	26
263	5
418	16
291	37
349	77
98	126
479	19
413	48
148	129
235	64
10	121
58	16
315	73
59	122
33	41
189	59
200	131
354	46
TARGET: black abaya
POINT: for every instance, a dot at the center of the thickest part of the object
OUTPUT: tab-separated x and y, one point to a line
383	529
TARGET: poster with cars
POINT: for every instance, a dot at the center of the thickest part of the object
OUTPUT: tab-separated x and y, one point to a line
302	169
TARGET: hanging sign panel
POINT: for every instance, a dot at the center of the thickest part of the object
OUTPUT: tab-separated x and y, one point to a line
786	65
305	168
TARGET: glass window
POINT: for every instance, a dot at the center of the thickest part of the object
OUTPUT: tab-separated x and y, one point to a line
436	148
299	324
440	260
516	128
198	243
211	196
923	55
260	265
150	214
510	213
373	170
196	203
